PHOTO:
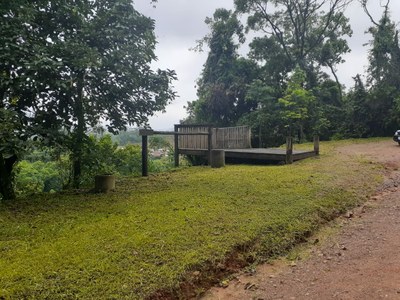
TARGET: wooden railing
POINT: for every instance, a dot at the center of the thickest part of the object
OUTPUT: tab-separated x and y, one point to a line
232	138
221	138
188	138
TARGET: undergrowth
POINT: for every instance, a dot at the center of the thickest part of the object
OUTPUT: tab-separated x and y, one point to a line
152	231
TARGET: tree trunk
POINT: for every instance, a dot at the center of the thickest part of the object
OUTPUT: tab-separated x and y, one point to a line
337	82
301	133
77	150
6	177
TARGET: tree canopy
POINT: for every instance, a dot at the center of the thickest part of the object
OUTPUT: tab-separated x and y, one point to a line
294	51
221	88
69	65
308	33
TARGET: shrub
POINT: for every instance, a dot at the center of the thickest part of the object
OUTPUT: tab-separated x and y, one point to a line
37	177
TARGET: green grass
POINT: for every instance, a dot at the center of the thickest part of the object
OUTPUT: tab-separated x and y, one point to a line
152	232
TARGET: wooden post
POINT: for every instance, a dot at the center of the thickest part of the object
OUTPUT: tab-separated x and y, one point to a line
289	150
209	144
145	171
217	158
176	146
316	144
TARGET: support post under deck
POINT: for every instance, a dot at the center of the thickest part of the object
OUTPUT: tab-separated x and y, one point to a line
289	150
176	146
209	144
145	171
316	145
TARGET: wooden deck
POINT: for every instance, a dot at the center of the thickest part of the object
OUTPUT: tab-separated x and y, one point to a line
202	140
267	154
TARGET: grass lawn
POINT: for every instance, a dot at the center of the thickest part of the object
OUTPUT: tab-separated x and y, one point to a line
153	232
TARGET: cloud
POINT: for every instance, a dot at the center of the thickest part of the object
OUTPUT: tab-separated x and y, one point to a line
183	18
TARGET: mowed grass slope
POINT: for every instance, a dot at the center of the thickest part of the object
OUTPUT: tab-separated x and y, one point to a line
152	231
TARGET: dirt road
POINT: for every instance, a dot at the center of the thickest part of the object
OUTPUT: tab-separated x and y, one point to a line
361	260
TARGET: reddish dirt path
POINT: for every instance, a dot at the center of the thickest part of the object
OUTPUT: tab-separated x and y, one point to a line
361	260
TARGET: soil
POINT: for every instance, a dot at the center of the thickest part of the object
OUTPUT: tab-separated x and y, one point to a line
358	258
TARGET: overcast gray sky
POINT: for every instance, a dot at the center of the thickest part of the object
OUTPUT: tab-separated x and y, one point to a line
179	23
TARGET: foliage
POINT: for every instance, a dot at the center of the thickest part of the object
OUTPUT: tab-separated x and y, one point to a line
24	69
290	35
222	85
98	157
308	33
46	171
115	45
384	77
296	103
72	64
357	110
128	160
12	143
103	156
153	232
265	121
329	110
38	177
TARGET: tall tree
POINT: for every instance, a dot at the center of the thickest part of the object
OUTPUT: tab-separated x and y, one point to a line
106	48
357	110
83	62
383	73
222	85
384	53
307	33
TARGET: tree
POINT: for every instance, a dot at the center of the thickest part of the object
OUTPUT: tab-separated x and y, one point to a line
223	82
264	119
81	62
106	48
329	111
303	32
10	148
331	55
357	110
384	52
296	104
23	65
383	73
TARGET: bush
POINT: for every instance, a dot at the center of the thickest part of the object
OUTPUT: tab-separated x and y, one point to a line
45	172
98	158
37	177
129	160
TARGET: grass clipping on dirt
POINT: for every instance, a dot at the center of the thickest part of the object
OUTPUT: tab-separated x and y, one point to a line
152	231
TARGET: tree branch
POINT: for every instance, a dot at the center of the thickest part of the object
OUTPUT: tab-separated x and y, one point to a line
277	31
336	6
364	6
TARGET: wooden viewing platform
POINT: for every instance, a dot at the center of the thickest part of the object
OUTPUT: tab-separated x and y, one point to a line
235	142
